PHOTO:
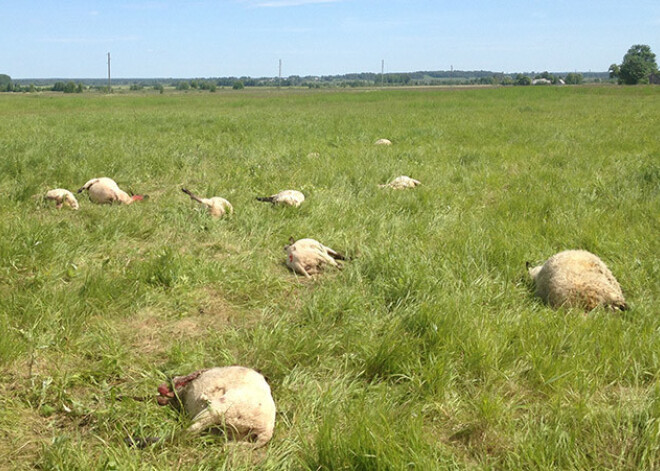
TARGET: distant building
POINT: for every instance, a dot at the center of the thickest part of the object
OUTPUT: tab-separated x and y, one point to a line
541	81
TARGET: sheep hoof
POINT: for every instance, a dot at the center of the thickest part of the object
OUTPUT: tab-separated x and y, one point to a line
140	443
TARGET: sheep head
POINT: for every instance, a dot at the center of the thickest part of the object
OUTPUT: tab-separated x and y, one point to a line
533	271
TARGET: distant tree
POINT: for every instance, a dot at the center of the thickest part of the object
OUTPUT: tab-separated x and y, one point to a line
207	85
506	80
183	85
238	85
58	87
69	87
522	80
573	79
160	88
5	83
79	88
614	71
638	63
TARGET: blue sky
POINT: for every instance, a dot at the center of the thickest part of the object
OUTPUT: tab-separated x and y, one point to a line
165	38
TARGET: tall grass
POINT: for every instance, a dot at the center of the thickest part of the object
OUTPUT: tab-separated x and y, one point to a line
427	351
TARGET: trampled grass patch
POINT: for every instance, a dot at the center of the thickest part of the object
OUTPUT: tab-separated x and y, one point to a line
427	350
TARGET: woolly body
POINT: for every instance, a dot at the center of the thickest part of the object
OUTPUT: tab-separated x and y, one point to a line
287	197
233	398
308	257
383	142
577	278
401	183
62	197
216	206
105	190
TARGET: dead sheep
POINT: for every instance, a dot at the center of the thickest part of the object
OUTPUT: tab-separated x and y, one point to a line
62	197
401	183
286	197
234	399
308	256
105	190
383	142
577	278
216	206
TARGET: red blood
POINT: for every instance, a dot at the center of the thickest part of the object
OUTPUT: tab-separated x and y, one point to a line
181	381
138	197
162	400
164	390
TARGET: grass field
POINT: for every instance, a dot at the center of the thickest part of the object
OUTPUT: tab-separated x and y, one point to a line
428	351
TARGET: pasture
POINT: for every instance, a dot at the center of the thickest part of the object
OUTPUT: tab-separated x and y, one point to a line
427	351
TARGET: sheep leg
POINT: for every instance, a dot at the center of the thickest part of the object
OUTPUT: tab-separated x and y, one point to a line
115	198
192	195
212	416
300	268
205	419
333	253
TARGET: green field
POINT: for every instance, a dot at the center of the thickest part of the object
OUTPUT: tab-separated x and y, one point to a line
427	351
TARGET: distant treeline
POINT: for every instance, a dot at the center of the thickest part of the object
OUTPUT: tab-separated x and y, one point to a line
365	79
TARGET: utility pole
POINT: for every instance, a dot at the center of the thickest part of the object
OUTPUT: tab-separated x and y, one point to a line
279	75
109	83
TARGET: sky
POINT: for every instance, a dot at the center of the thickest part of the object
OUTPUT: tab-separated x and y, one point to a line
203	38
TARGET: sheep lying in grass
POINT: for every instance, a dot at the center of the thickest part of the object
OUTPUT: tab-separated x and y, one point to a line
216	206
234	399
62	197
288	197
383	142
401	183
106	191
577	278
308	256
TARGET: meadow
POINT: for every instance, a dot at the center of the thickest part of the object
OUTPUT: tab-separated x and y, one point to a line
427	351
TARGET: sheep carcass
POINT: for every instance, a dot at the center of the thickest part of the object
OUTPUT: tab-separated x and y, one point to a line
216	206
288	197
62	197
233	398
401	183
577	278
308	256
105	190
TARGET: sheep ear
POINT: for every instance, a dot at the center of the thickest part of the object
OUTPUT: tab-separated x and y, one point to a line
292	240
